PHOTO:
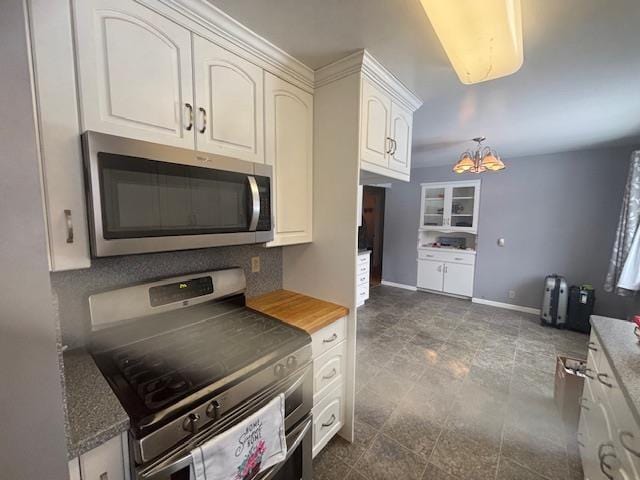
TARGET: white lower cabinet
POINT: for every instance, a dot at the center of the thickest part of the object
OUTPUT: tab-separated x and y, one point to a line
109	461
329	366
362	277
608	433
448	272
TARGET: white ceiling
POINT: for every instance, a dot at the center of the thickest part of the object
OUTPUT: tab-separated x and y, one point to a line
579	86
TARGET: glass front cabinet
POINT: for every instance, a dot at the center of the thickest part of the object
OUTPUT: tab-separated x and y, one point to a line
450	206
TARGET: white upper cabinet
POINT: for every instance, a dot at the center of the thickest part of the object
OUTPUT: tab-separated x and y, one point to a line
401	130
135	72
375	143
386	122
229	98
289	150
450	206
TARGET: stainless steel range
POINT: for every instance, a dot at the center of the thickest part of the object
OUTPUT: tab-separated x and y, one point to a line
188	360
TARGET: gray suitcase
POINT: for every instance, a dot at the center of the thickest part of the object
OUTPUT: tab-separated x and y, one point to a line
555	301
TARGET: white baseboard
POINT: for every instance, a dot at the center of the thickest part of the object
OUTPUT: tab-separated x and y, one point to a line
508	306
399	285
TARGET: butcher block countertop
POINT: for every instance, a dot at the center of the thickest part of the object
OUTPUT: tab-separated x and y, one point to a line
307	313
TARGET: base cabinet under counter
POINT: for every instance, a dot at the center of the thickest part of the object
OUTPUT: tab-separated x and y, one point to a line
329	367
446	271
108	461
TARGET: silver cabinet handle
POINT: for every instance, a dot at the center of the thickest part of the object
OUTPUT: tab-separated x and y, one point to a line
333	373
394	146
104	476
439	268
622	436
586	374
592	346
429	256
458	258
203	113
390	143
604	464
190	108
332	338
445	269
69	221
330	422
600	379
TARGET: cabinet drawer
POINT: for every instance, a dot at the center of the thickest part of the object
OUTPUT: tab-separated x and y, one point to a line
327	338
362	269
363	259
328	418
363	279
446	256
328	371
362	294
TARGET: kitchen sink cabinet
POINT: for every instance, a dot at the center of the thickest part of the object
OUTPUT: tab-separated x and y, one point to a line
289	151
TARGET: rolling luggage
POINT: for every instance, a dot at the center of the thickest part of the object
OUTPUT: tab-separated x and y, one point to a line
554	304
581	301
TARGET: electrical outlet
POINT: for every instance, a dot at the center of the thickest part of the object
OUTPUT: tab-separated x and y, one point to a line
512	294
255	264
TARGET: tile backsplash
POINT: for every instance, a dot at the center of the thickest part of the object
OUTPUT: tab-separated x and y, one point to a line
71	289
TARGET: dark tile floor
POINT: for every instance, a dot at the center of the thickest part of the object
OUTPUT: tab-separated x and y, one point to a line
450	390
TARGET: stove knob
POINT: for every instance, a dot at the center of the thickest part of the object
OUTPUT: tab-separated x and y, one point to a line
279	370
190	423
292	362
213	410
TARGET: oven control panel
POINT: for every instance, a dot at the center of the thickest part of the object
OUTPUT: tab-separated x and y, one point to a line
180	291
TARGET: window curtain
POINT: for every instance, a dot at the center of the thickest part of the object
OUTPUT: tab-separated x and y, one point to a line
623	276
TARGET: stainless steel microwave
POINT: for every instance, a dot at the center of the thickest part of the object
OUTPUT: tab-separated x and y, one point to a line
144	197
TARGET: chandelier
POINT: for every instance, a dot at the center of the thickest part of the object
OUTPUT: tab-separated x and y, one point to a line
483	159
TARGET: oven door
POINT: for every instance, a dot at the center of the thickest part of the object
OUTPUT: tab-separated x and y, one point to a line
298	391
146	197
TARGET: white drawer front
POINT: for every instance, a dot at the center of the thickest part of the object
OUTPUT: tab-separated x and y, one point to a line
328	371
328	418
446	256
363	279
327	338
363	259
362	294
362	269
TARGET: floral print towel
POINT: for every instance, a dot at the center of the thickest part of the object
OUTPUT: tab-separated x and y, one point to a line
246	449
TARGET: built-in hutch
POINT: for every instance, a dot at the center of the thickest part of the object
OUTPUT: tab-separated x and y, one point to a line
447	234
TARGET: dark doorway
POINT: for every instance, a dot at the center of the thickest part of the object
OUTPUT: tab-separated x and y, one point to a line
373	229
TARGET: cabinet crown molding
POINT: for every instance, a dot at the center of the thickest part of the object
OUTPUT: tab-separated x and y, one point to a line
363	61
270	57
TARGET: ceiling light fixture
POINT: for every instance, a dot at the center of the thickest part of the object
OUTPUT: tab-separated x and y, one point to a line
480	160
483	39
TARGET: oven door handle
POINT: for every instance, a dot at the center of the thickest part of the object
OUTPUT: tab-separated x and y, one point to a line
255	203
162	472
300	432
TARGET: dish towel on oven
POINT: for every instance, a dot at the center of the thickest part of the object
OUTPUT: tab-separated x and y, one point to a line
245	449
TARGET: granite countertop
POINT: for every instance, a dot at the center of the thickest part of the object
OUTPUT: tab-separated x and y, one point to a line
308	313
622	349
94	414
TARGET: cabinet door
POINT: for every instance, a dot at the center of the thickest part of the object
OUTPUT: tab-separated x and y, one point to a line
401	128
433	207
374	133
463	208
430	275
135	72
229	97
458	279
104	462
289	150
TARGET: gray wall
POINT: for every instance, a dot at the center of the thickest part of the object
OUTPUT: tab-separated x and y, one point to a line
72	288
32	442
558	214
